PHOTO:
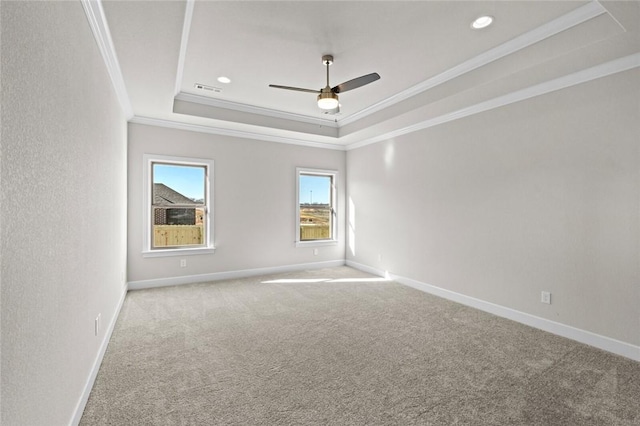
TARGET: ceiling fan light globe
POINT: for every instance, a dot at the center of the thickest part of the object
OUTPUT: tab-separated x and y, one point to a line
327	101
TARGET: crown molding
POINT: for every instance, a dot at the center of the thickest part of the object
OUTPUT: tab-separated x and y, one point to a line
589	74
562	23
100	29
158	122
235	106
98	23
603	70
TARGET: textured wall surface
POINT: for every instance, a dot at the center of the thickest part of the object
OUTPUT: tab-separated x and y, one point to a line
254	202
63	229
540	195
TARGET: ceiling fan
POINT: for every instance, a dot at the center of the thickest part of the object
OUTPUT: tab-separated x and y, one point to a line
328	96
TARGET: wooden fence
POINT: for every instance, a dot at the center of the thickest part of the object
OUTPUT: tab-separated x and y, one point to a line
177	235
314	232
186	235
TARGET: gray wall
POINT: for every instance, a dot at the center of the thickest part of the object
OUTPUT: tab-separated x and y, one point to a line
63	231
539	195
254	202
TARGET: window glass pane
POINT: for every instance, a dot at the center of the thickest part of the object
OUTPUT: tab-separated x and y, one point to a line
178	210
183	182
315	207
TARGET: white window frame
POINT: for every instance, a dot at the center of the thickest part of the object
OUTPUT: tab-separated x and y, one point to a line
147	194
333	240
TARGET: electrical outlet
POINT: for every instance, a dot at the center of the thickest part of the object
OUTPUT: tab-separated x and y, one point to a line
545	297
315	252
97	325
379	257
183	263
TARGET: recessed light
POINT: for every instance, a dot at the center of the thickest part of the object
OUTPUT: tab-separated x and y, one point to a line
225	80
482	22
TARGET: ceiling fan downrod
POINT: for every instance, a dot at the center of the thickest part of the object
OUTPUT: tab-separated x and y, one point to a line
327	60
327	99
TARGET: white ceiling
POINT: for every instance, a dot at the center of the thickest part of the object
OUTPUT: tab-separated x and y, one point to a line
431	63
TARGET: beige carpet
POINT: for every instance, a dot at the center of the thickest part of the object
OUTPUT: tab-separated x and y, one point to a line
340	347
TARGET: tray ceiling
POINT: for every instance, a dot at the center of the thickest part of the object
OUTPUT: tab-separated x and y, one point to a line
430	60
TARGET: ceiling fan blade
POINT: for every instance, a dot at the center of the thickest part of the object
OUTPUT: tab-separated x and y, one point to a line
356	82
294	88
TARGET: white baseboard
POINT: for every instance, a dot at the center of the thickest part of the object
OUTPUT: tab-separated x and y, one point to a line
216	276
366	268
601	342
97	363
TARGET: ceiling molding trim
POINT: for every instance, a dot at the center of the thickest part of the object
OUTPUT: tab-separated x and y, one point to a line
608	68
186	30
562	23
232	133
219	103
100	29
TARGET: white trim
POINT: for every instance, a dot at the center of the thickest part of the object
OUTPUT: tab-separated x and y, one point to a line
608	344
232	133
84	397
366	268
618	65
100	28
179	252
217	276
612	67
252	109
564	22
208	163
186	29
316	243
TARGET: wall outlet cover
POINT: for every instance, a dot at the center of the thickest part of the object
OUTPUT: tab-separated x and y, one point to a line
545	297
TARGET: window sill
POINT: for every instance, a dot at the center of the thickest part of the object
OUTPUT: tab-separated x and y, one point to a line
179	252
317	243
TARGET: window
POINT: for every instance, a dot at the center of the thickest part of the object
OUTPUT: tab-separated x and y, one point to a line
316	207
177	210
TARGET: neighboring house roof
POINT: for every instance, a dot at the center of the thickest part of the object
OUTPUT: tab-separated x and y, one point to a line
165	196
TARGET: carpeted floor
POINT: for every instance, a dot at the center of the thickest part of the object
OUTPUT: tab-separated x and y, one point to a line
341	347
